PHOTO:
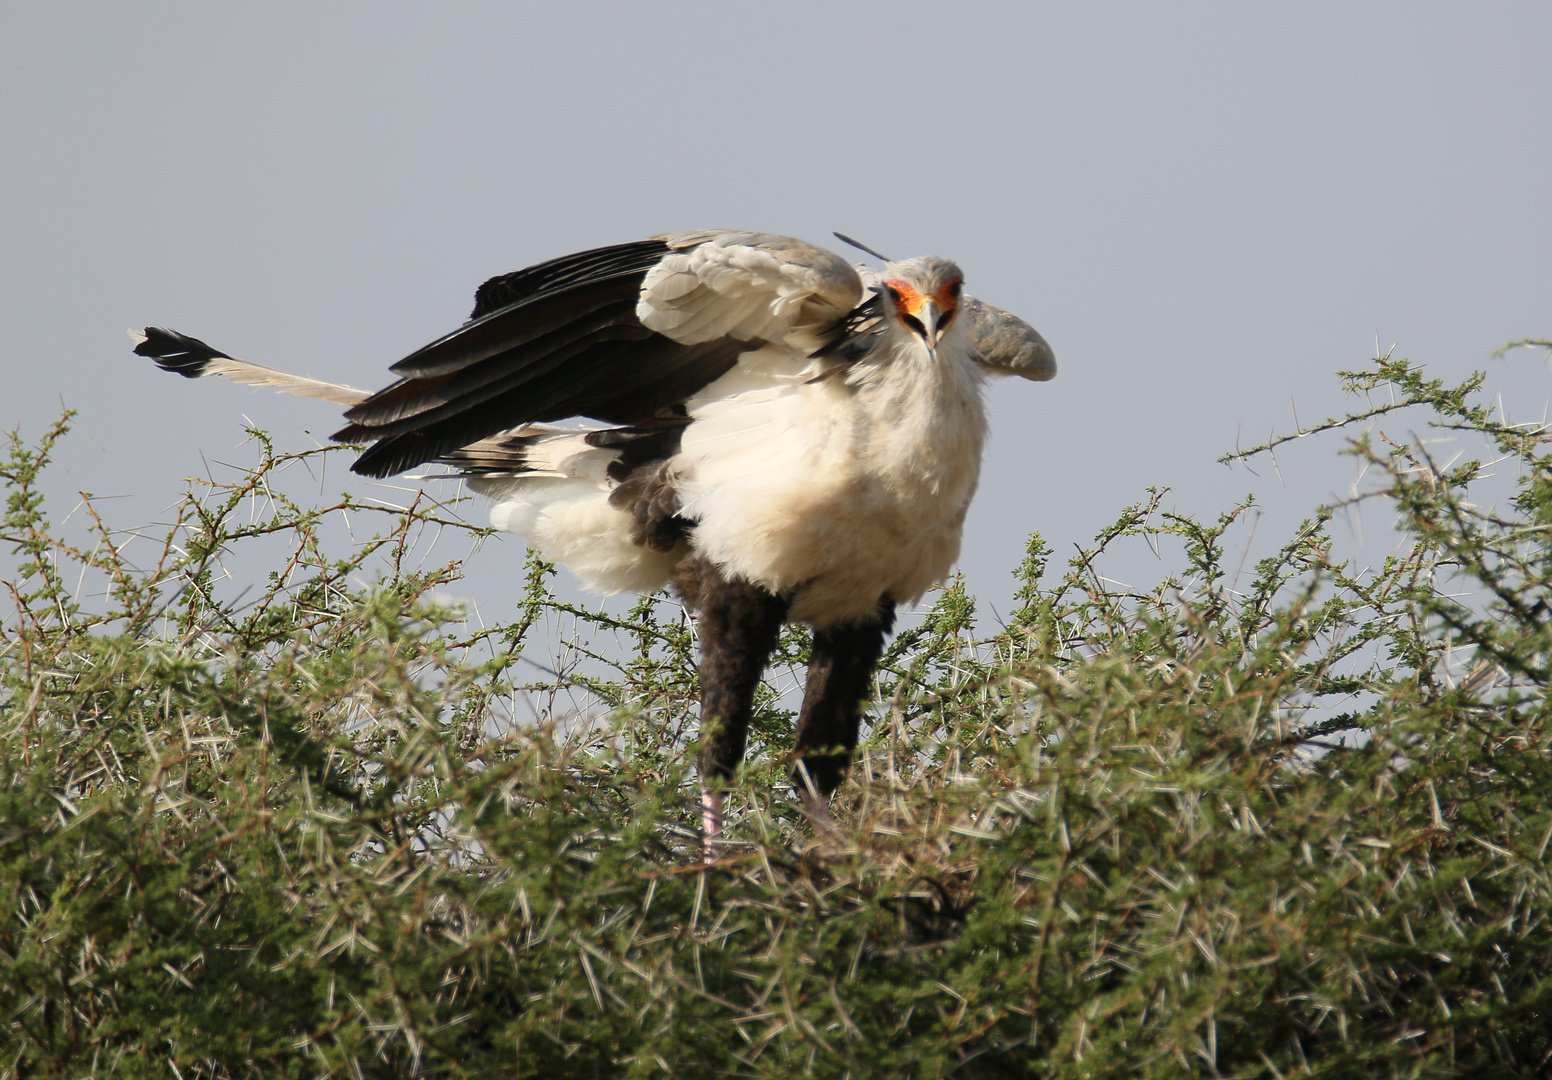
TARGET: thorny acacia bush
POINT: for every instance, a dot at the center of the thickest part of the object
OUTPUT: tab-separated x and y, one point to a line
329	829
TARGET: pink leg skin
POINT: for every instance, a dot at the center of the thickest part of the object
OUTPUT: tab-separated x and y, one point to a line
818	807
711	820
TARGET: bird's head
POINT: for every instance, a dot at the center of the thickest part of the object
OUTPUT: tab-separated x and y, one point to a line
922	297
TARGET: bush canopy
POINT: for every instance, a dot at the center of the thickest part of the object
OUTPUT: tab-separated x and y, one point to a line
1290	825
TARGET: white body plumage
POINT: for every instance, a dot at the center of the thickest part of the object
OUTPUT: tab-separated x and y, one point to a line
836	491
834	485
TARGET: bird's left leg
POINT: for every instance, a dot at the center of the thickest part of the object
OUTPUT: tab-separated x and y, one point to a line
840	674
739	623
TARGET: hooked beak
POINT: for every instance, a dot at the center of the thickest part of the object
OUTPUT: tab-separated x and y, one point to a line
928	314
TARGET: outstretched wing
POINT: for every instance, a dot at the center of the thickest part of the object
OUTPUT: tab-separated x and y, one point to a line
192	358
618	334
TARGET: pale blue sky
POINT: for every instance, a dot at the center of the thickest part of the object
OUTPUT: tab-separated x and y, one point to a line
1207	208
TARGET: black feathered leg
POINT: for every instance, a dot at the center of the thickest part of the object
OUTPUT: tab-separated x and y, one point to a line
739	623
839	676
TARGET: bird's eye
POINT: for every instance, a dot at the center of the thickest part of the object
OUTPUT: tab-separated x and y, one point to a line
894	294
956	288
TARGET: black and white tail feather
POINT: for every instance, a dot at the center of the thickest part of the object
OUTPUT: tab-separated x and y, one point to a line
192	358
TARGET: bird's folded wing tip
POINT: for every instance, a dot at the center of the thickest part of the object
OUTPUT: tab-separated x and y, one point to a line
1007	345
1040	367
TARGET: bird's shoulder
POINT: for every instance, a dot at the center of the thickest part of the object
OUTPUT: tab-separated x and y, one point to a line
749	286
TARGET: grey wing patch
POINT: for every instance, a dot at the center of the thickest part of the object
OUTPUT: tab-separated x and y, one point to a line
1005	343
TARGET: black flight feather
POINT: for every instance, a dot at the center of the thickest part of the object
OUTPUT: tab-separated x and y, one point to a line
527	359
622	382
604	262
554	341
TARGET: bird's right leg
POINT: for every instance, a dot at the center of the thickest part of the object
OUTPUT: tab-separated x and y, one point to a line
840	677
739	623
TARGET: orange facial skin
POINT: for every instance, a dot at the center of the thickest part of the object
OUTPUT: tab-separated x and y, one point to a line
908	301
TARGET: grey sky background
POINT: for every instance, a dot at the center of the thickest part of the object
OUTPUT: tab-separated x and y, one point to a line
1207	208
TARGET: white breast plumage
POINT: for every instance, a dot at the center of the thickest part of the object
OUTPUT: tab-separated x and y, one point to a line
839	490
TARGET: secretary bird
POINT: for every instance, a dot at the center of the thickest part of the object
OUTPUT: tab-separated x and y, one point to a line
789	439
